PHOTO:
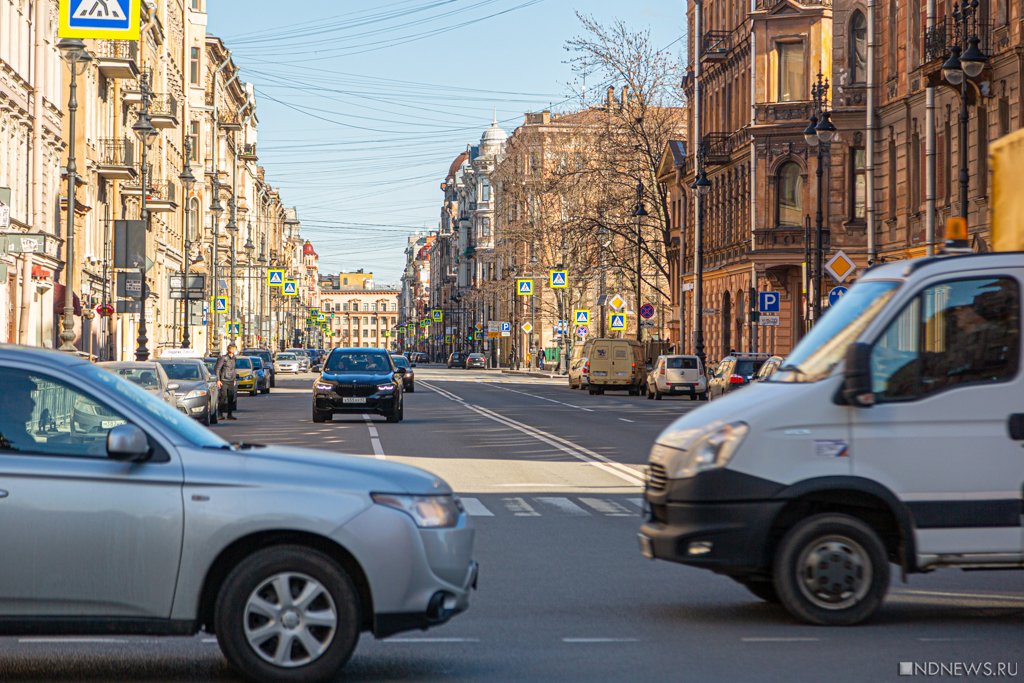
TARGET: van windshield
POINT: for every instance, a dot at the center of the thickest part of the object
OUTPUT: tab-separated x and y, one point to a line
825	345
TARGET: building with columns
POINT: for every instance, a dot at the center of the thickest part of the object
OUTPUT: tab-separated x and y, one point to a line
360	313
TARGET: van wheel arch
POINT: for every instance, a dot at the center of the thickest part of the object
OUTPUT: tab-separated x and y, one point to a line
861	498
230	556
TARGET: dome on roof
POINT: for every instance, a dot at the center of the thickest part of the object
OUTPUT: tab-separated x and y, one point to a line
308	250
493	137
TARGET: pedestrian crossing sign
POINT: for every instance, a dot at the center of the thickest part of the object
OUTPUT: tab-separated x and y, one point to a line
559	279
617	321
101	19
290	288
234	328
437	315
314	311
321	318
275	277
448	339
424	324
524	287
582	316
220	304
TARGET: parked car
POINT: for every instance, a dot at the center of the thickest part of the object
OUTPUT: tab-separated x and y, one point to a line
193	386
734	372
247	380
268	362
286	361
405	368
476	360
888	442
769	368
358	381
615	364
223	404
420	357
146	374
579	368
262	375
150	524
304	361
457	360
677	374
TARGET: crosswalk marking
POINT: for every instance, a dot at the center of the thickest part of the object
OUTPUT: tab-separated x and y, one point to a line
565	505
607	507
520	508
474	508
537	506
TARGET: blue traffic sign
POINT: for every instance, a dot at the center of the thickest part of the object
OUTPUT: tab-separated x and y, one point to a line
617	321
769	302
647	311
836	294
506	327
99	19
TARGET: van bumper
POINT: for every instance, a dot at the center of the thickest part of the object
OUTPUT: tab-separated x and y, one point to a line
727	538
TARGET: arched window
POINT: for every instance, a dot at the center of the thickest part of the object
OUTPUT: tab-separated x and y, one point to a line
858	47
790	192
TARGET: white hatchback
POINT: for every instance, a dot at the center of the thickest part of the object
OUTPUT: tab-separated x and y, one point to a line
677	375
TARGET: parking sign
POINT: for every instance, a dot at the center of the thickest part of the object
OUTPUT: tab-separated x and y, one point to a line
768	302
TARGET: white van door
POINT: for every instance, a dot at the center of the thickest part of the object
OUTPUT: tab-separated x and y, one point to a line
947	378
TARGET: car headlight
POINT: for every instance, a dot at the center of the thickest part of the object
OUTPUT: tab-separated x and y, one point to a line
324	387
685	453
196	393
385	387
429	512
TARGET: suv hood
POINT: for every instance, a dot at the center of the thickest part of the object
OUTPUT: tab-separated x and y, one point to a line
288	467
358	377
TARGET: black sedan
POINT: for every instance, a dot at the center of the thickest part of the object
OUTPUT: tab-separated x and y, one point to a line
405	368
358	381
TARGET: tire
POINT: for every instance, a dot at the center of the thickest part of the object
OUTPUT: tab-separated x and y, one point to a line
705	396
657	394
296	569
214	415
396	416
592	391
650	396
206	417
831	547
760	587
412	388
321	415
253	392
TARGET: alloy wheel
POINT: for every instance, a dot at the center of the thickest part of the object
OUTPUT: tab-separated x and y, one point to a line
290	620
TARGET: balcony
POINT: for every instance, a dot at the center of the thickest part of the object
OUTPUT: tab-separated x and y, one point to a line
716	45
163	111
718	147
785	240
765	5
229	121
766	113
116	159
118	59
247	152
941	39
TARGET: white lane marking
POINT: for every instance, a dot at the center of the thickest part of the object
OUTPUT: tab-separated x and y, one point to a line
600	640
625	420
431	640
378	450
609	508
51	641
210	641
978	596
780	640
474	508
579	452
565	505
639	502
544	398
520	508
948	640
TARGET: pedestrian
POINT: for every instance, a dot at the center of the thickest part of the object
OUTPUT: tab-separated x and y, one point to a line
227	376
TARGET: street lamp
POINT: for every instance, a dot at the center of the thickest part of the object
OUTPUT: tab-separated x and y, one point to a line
232	228
701	187
144	130
639	212
188	181
249	249
216	209
819	133
959	69
74	53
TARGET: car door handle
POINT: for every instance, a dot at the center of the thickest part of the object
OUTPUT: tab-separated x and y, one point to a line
1016	425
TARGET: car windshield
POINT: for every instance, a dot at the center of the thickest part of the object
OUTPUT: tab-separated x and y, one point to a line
243	364
187	372
358	362
825	345
681	363
157	410
747	368
400	361
286	356
476	356
146	378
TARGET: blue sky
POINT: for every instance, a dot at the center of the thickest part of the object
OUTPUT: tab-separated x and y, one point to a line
363	104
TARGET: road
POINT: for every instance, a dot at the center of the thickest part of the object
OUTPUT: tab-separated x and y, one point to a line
552	478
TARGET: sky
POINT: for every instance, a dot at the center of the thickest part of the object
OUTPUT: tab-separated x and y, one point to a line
363	104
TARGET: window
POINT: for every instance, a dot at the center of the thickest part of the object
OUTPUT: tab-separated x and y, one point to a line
954	333
366	332
858	185
344	307
914	161
892	180
893	44
858	48
366	308
39	415
345	281
913	35
485	190
1004	116
193	136
948	165
792	82
790	195
982	158
193	66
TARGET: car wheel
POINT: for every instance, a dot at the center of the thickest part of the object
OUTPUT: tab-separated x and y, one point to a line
657	394
205	419
761	587
396	415
287	613
214	415
412	388
832	570
705	396
321	415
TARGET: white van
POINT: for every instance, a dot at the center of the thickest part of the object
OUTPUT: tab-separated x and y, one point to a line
893	434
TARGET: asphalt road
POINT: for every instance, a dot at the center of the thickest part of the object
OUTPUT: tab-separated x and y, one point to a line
552	477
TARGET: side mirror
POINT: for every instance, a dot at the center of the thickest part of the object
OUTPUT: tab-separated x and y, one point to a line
172	387
857	389
128	443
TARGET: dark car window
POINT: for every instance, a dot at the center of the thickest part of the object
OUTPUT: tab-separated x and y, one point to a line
359	362
243	364
400	361
747	368
681	363
187	372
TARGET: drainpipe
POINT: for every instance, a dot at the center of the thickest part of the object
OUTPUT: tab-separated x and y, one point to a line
755	330
698	287
869	143
929	150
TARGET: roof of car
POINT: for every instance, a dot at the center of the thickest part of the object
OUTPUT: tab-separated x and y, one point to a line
35	355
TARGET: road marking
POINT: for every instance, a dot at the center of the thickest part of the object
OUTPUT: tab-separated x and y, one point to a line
617	469
780	640
378	450
609	508
639	502
51	641
600	640
474	508
978	596
948	640
431	640
565	505
625	420
520	508
543	398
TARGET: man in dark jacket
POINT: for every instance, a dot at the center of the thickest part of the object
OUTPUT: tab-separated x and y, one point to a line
226	379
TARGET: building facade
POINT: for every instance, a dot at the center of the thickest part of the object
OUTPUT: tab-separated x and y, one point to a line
361	314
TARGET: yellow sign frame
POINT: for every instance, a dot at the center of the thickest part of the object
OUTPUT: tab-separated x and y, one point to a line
132	32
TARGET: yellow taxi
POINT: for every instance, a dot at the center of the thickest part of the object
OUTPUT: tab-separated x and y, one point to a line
246	375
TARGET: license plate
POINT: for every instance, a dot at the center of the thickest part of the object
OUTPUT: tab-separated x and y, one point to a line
646	547
353	399
599	374
110	424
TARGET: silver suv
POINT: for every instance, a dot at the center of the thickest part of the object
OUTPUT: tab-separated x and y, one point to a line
120	514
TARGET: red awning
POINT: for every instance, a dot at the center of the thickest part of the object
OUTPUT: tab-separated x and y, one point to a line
58	301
